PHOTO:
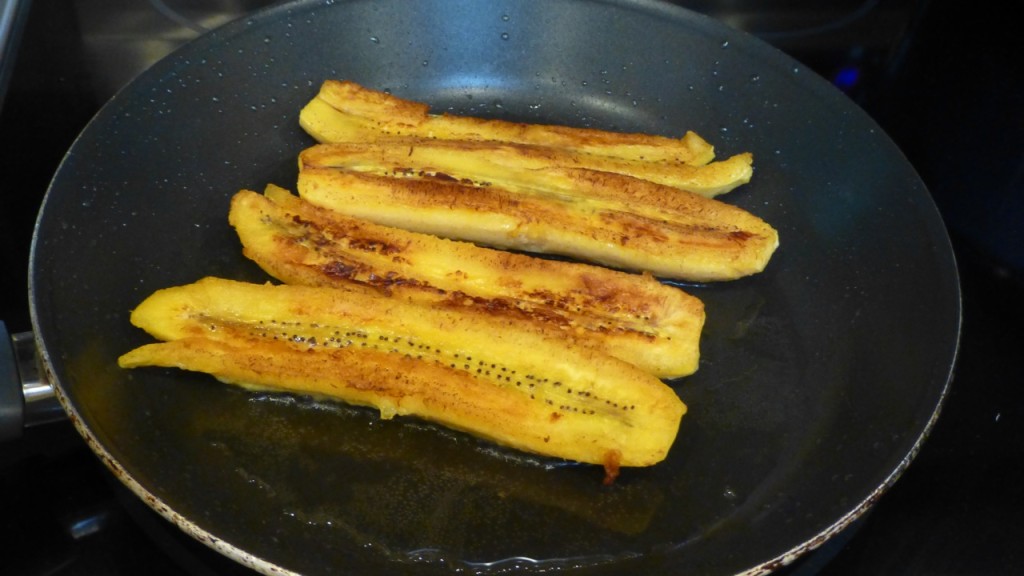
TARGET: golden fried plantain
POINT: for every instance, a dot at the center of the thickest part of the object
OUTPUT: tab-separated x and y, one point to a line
346	111
499	380
504	196
630	316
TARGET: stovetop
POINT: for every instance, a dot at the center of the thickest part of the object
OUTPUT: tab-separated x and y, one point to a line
953	107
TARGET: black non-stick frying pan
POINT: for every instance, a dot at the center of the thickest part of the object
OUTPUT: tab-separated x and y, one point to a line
819	379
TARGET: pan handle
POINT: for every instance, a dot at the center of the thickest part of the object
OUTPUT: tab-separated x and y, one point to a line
26	398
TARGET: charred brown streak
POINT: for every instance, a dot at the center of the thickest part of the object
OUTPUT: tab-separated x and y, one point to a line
376	246
545	313
439	176
338	269
506	307
321	236
740	235
313	232
385	283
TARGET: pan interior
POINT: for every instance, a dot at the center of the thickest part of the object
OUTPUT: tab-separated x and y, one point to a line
818	380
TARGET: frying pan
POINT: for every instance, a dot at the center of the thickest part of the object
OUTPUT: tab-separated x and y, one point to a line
820	378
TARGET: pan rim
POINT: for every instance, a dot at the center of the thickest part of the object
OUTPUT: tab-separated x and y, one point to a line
259	564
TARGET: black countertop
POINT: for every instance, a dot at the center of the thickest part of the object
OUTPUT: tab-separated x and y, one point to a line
953	106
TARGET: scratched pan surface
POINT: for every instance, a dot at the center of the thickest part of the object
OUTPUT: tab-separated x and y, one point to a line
819	380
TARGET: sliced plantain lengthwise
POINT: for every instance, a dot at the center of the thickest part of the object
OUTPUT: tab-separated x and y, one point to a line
503	196
495	379
528	165
346	111
633	317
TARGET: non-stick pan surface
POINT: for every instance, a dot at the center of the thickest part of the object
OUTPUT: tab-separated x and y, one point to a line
819	378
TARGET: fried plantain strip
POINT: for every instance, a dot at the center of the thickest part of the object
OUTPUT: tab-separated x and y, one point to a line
344	111
610	219
499	380
632	317
501	163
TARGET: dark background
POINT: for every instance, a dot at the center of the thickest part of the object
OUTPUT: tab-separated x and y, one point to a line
943	81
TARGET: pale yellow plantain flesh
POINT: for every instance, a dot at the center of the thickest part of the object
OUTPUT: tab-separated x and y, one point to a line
495	379
346	111
468	191
629	316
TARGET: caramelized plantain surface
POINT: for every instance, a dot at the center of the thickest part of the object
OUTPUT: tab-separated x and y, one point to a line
483	192
346	111
525	165
629	316
496	379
